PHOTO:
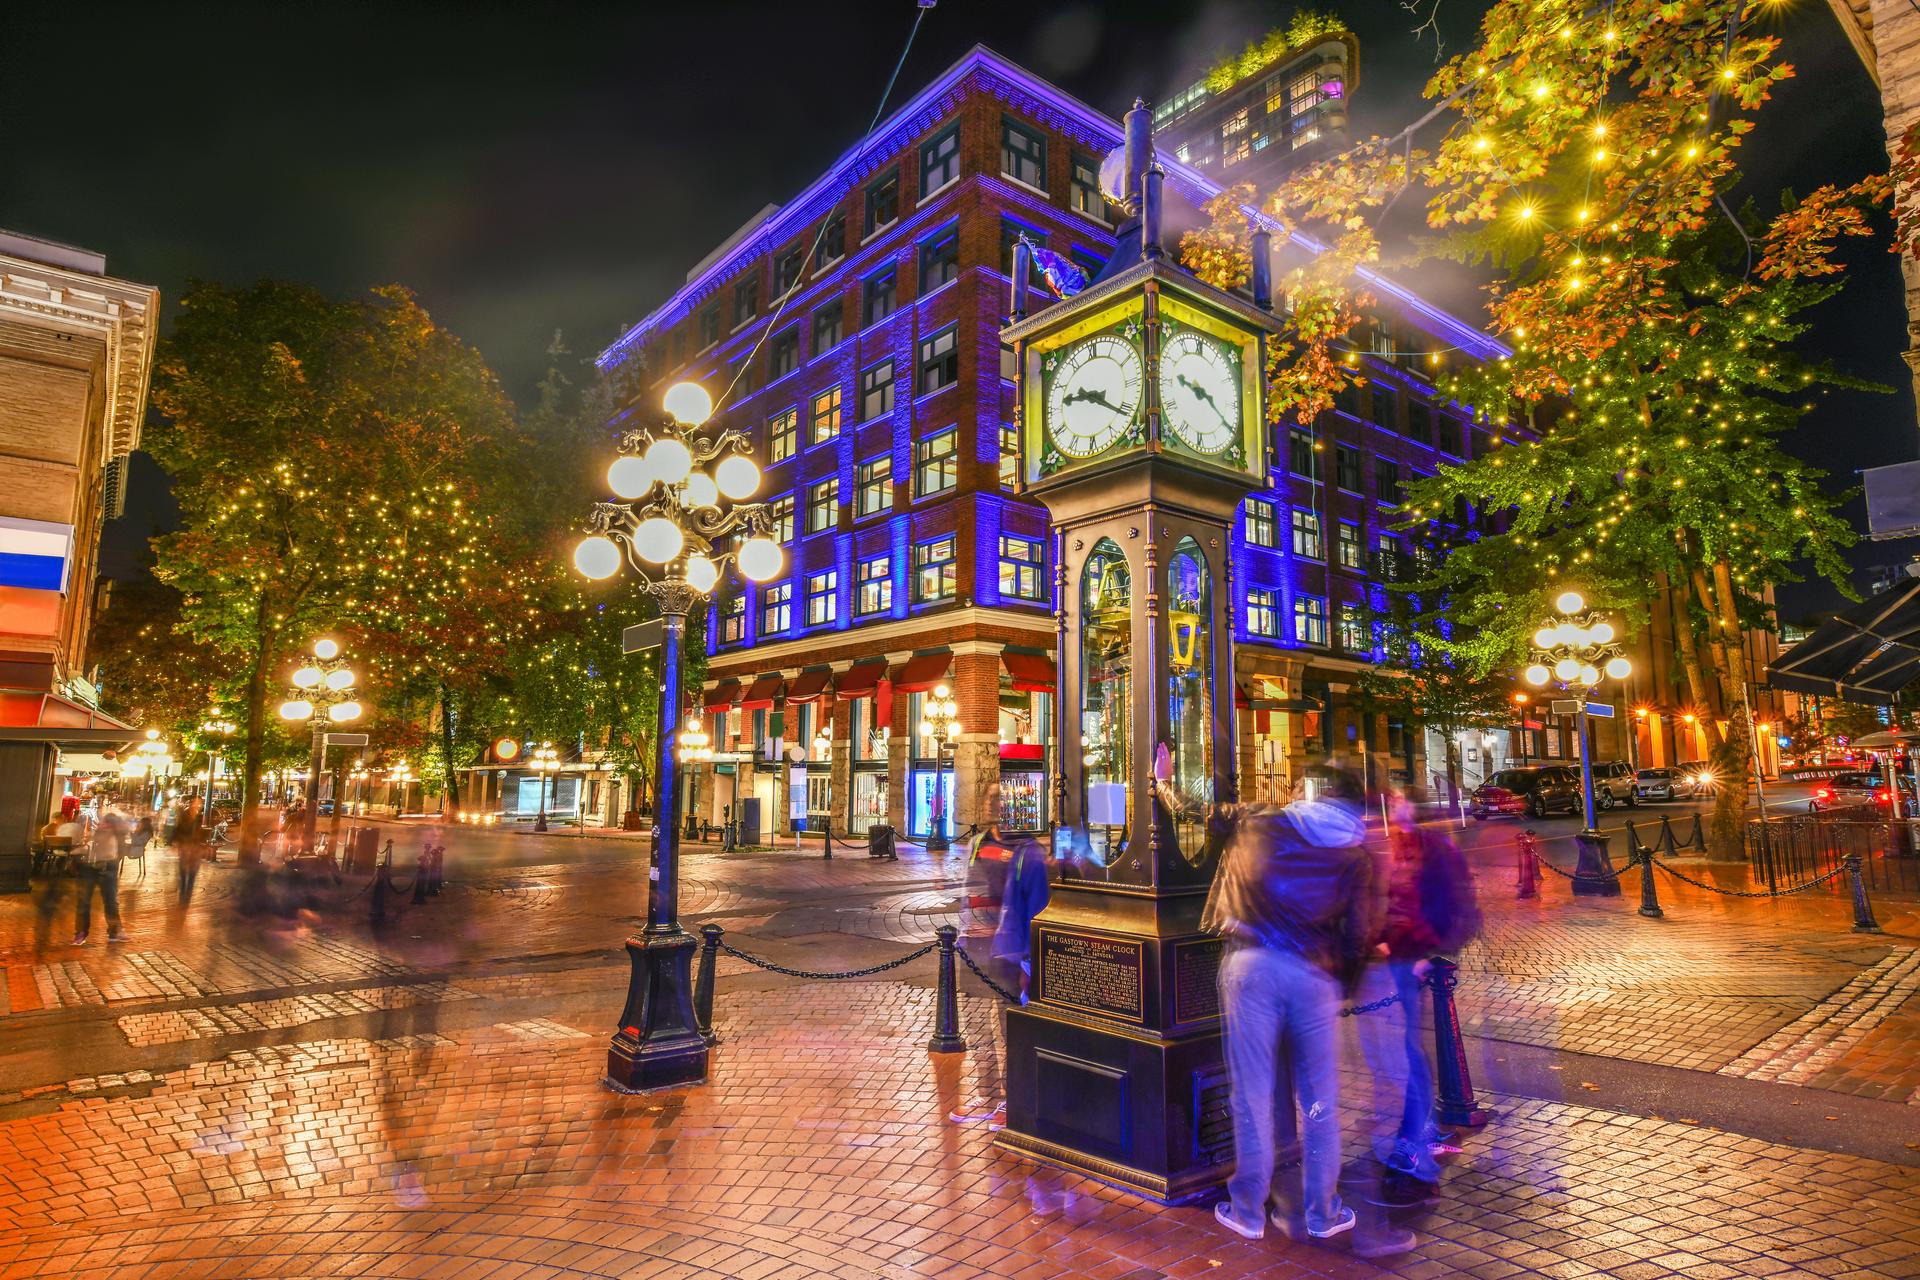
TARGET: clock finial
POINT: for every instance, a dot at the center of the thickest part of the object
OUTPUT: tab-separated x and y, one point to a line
1139	147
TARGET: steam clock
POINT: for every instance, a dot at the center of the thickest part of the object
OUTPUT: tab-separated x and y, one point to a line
1144	426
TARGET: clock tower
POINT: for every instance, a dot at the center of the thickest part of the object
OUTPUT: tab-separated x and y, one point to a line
1143	407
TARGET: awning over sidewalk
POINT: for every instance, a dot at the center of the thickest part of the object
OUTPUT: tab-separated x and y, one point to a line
723	695
762	694
1865	654
1031	672
922	672
862	679
811	685
38	715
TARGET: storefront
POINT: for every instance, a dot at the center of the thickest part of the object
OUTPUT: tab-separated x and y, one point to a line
864	701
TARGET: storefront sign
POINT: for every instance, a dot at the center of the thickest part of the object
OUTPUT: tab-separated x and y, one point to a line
1100	975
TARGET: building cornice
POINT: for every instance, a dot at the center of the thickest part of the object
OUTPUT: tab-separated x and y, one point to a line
123	314
806	651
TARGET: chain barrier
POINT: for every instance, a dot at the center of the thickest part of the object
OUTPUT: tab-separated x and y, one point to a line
1377	1005
771	967
1750	893
999	990
1612	872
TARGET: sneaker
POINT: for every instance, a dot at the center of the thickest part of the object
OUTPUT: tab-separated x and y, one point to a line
1223	1214
1384	1242
1338	1226
1444	1146
997	1121
117	936
960	1115
1397	1190
79	939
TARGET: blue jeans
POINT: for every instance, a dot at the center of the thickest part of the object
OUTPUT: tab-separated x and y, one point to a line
1412	1150
104	876
1275	1002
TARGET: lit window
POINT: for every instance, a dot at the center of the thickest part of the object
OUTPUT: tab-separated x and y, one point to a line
782	512
1259	523
1347	546
876	391
939	361
733	620
939	260
940	161
1234	144
822	597
1023	154
1022	568
936	463
936	575
826	415
875	493
876	586
881	295
776	609
823	505
1306	535
1310	620
783	430
1009	456
1353	628
883	202
1083	194
1263	612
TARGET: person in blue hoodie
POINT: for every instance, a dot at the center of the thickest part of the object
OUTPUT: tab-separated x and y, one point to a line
1294	899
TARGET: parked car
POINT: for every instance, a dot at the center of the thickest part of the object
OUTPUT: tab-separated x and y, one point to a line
1849	790
1534	792
1666	784
1613	783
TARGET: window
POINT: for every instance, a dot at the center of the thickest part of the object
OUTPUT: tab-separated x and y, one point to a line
823	590
939	260
1276	95
1386	410
733	620
1022	568
939	361
875	492
1234	144
1386	559
875	593
833	242
1450	435
1009	456
1300	459
783	353
783	519
1346	464
783	430
1353	628
1010	233
1420	421
1263	612
786	272
776	609
1023	154
1348	547
876	391
1347	400
1310	619
1088	263
1386	480
826	416
1083	188
1009	366
1306	535
1258	523
881	296
823	505
940	161
936	575
883	202
746	301
709	327
826	328
936	463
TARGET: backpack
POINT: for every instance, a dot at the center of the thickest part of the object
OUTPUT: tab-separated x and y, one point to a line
1447	895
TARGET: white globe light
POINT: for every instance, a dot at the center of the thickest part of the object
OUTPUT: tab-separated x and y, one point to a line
941	692
1569	634
700	490
702	573
628	476
1589	675
340	679
1602	633
1545	638
307	677
296	709
688	402
760	558
341	712
597	557
737	476
325	649
1567	669
658	539
1570	602
1619	668
669	460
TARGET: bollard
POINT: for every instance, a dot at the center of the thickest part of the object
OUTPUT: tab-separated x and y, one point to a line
946	1026
439	870
382	886
1665	843
703	982
1454	1103
1863	921
1649	895
420	877
1528	885
1699	837
826	838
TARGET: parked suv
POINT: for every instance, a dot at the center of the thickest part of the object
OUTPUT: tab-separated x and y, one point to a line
1613	784
1534	792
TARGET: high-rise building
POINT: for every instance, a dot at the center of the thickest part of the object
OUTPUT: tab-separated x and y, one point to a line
76	349
854	332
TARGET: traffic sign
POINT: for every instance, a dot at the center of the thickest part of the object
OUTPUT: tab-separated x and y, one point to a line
346	739
1566	707
642	636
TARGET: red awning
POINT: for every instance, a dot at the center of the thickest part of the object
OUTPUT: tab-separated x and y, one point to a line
1022	751
765	689
723	695
811	685
1240	698
1031	672
861	680
922	672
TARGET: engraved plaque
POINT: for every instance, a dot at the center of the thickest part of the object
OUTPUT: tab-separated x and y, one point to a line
1100	975
1196	979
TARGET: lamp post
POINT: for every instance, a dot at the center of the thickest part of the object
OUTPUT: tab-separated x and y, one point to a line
359	776
322	694
1576	649
940	724
670	530
1520	701
544	762
401	775
213	727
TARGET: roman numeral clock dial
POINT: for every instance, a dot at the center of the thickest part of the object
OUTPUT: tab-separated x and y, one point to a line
1094	395
1200	392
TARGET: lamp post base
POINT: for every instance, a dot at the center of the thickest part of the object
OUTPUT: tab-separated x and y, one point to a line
659	1044
1593	875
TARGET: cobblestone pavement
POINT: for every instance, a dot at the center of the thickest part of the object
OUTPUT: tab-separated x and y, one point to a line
302	1091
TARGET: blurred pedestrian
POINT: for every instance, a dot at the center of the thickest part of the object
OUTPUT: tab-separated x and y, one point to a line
1293	897
189	845
99	870
1006	888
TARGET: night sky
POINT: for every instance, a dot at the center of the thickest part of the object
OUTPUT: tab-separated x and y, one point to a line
531	168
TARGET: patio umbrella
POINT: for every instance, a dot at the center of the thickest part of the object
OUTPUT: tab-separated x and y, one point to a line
1866	654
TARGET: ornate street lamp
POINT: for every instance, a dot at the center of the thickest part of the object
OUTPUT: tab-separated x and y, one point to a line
939	725
359	776
695	746
544	763
1520	701
1576	650
213	728
671	530
322	694
401	776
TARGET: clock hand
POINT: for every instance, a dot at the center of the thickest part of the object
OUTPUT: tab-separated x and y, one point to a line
1202	392
1089	394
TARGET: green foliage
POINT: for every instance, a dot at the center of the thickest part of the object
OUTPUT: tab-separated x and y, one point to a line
1305	28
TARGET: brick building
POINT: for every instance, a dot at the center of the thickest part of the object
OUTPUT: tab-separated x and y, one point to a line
858	325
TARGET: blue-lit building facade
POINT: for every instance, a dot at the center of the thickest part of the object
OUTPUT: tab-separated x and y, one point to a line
858	326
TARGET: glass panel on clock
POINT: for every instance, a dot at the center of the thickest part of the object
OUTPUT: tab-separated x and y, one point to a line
1106	708
1190	697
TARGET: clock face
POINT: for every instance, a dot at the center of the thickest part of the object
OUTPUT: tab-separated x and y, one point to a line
1094	395
1200	392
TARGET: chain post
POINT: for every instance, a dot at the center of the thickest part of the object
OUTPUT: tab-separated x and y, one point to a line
1649	894
382	885
1664	843
946	1027
420	876
1698	840
1528	885
1863	921
1455	1103
703	982
826	842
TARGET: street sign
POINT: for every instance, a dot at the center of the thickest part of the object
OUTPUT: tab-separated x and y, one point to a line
1566	707
642	636
1600	710
346	739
